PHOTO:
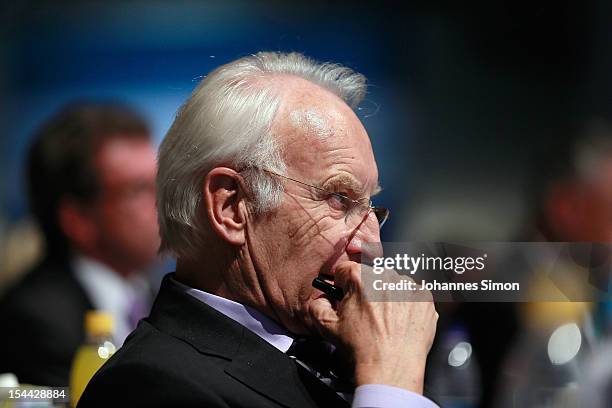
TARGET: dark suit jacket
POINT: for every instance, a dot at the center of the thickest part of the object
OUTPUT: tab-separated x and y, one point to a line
41	323
188	354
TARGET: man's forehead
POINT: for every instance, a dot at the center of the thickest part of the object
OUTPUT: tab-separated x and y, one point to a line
332	157
323	139
310	111
311	121
304	102
126	157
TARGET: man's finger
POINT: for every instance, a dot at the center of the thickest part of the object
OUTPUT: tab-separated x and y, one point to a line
324	316
347	275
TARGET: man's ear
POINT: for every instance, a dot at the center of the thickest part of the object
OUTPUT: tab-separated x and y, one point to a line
225	205
77	224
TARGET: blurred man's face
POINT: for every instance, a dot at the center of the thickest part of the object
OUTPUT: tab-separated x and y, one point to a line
597	205
125	213
324	145
581	210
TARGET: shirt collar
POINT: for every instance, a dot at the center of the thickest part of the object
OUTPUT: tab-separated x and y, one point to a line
247	316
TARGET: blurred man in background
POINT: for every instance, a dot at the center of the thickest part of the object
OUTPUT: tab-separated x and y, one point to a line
572	186
571	202
91	184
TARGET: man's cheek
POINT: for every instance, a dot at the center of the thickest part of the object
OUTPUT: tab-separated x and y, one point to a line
303	231
307	293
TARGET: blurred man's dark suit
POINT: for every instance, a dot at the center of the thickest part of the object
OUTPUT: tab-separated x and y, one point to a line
41	319
188	354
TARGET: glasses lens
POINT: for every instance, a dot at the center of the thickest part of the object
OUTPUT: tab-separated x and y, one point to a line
358	215
382	214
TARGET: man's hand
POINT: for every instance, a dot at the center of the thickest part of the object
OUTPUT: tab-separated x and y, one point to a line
389	340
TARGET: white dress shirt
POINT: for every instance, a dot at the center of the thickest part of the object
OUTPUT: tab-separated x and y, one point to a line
368	395
109	292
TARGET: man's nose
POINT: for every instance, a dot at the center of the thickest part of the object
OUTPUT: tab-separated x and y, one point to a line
365	239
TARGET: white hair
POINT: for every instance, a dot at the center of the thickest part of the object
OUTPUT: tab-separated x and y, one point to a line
227	122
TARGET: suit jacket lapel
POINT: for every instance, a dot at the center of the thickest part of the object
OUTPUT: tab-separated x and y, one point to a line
251	360
276	375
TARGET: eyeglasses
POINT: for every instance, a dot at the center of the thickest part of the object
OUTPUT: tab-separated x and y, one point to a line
355	211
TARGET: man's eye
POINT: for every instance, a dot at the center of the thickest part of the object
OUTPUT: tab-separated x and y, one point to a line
337	202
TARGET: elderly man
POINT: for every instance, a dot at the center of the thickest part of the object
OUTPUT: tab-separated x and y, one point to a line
264	183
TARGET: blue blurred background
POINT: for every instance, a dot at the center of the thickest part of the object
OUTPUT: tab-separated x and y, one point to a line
461	98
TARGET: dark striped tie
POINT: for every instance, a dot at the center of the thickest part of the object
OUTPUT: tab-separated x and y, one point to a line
322	360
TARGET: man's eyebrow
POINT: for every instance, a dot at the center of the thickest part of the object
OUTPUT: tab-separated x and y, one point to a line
344	181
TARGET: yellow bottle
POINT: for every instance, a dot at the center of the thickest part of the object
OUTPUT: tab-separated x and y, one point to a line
98	347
